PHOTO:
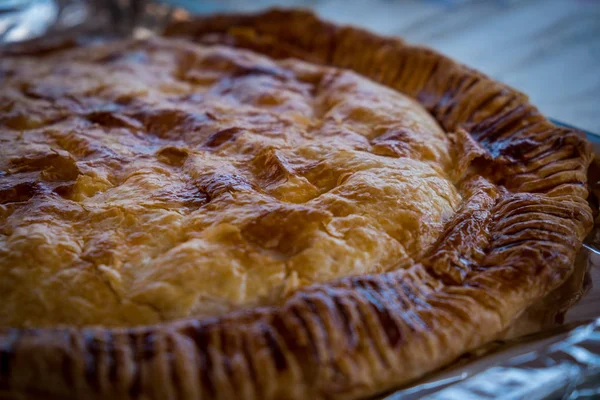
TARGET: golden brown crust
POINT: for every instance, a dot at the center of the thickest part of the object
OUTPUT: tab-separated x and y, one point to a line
225	181
513	239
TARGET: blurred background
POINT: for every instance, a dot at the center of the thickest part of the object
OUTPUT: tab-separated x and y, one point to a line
549	49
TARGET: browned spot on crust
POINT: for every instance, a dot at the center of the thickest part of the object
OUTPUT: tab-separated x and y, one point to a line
171	155
21	191
224	135
110	119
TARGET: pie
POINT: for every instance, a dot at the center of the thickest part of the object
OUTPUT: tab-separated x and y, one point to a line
267	206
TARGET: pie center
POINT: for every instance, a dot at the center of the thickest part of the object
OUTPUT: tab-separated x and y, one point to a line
146	181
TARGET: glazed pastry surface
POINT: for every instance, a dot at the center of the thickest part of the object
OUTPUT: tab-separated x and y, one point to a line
147	181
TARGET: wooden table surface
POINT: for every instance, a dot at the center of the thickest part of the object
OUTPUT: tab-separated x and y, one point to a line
548	49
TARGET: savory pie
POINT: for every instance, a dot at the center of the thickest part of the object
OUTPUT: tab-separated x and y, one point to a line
267	207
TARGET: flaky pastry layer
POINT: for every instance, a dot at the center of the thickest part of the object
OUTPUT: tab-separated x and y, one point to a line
146	181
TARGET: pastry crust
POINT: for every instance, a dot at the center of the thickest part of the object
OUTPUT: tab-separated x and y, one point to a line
228	182
512	218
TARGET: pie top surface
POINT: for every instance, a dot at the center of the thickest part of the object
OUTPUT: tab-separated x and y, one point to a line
148	181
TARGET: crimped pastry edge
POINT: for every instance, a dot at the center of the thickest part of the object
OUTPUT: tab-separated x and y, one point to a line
513	240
